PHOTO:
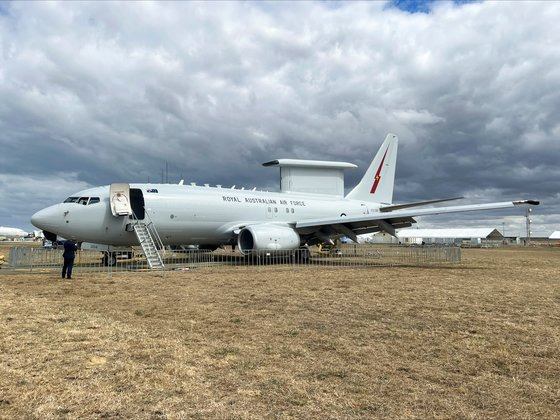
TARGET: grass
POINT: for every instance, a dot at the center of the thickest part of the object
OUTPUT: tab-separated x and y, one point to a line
475	341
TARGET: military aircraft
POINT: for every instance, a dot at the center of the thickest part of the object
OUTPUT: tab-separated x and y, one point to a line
310	208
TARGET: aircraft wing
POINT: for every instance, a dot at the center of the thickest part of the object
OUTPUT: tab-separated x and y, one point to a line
387	221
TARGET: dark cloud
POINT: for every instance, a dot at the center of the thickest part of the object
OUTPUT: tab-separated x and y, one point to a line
93	93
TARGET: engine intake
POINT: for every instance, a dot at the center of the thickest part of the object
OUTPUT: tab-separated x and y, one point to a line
267	237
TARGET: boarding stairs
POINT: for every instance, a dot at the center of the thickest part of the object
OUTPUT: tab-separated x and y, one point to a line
150	242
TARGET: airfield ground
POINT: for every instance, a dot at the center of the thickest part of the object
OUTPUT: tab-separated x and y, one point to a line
478	340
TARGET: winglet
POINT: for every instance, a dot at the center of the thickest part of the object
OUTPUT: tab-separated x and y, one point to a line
530	202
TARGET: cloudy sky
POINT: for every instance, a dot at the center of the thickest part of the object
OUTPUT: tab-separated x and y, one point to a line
95	93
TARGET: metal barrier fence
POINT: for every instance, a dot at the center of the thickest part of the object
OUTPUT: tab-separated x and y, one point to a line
348	255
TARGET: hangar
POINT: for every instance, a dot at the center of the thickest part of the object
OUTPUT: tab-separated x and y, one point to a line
555	235
472	236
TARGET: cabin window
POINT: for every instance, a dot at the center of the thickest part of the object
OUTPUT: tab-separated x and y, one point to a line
275	209
71	199
93	200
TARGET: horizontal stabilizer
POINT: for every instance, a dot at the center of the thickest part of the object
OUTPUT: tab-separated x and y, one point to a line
418	203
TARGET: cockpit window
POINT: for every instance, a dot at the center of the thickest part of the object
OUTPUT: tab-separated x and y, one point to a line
82	200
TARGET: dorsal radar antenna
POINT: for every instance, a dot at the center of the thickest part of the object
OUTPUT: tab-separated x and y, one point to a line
311	176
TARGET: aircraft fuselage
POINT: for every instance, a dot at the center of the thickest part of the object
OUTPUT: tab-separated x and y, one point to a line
185	214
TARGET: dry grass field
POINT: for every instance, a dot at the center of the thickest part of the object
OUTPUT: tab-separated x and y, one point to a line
479	340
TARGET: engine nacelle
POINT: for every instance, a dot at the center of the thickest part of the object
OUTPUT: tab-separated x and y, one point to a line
267	237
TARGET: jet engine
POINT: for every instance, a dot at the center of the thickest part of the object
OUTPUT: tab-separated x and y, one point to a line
267	237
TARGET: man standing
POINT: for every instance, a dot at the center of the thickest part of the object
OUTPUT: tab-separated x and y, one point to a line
70	249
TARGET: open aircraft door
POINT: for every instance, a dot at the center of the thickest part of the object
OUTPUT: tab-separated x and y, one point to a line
119	195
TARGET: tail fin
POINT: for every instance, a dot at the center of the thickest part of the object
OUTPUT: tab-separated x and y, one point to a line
377	183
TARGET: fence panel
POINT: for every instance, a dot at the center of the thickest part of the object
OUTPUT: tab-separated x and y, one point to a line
347	255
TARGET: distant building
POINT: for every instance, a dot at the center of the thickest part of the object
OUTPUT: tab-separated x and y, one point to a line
466	236
377	238
555	235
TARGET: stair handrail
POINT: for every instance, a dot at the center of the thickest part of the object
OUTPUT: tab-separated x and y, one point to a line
152	229
151	232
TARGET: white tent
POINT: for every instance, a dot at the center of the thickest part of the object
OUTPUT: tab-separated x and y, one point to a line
449	235
555	235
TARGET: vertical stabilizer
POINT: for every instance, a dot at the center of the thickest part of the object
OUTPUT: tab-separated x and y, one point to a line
378	181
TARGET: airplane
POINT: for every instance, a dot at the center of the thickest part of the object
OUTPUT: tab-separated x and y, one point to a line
310	208
10	232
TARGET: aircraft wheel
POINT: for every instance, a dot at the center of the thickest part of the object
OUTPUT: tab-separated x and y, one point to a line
109	258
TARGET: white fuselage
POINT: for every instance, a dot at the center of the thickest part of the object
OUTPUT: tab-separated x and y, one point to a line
185	214
9	232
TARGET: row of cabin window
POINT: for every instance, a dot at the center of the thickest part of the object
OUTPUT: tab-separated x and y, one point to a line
82	200
276	210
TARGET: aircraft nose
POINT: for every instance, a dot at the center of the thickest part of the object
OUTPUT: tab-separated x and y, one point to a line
46	219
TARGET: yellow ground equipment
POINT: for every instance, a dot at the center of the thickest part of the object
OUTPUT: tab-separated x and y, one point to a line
328	249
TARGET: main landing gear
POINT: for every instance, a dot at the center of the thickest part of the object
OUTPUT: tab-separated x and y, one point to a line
109	259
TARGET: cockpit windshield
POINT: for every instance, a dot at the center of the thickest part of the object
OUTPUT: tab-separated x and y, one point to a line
82	200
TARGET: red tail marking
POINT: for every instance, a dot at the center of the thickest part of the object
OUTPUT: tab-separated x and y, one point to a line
377	176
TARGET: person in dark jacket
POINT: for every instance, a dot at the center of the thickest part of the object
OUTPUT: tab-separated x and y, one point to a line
70	249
